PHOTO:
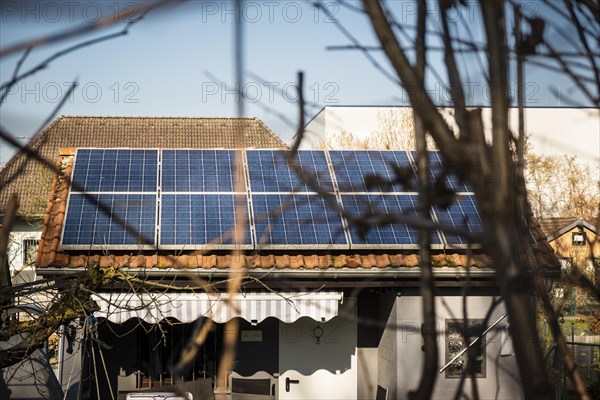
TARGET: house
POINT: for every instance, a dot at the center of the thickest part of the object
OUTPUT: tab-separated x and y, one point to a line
340	319
32	181
576	243
574	240
344	322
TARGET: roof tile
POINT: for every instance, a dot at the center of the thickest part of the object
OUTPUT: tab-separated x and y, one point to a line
282	261
151	261
164	262
340	261
383	261
296	261
369	261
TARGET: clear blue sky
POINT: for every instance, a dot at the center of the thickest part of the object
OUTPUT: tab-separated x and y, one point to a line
165	66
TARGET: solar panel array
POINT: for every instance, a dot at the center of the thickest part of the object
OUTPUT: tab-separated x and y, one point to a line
188	199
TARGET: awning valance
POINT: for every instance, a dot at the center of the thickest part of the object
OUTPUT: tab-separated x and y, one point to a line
187	307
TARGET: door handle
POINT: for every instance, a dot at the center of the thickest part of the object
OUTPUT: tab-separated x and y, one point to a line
288	382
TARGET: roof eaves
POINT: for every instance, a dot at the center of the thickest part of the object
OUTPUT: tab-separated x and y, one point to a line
17	158
577	223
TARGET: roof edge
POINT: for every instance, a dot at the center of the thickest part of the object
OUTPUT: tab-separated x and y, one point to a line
580	222
268	129
148	117
335	273
33	142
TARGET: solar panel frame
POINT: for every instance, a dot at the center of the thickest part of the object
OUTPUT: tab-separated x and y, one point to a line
203	190
209	242
96	186
361	244
148	184
265	158
345	238
212	174
340	239
98	227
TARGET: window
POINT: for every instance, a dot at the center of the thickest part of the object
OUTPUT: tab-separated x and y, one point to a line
26	273
30	247
455	343
579	238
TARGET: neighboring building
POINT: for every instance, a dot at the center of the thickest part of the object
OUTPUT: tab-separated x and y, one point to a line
549	128
576	244
31	180
573	239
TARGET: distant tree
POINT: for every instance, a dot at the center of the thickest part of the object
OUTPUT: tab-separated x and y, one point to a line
395	131
344	140
562	186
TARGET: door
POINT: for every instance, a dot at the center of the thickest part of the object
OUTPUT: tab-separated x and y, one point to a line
317	360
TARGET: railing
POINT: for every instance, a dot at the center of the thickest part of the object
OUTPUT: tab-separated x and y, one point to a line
587	358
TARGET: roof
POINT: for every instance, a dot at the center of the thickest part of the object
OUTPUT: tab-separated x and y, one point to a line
22	175
555	227
51	256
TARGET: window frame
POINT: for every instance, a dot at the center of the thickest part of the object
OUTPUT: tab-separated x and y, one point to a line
578	243
27	243
472	323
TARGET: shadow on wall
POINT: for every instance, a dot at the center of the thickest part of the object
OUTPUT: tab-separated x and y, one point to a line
32	378
307	346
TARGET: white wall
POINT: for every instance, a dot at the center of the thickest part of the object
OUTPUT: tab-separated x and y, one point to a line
21	231
325	370
553	131
315	130
501	372
387	355
367	360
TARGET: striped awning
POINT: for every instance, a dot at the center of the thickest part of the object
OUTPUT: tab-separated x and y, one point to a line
187	307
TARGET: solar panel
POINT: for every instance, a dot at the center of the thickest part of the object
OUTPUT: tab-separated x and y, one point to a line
198	192
372	171
200	221
296	220
198	200
115	170
378	211
199	170
461	214
86	224
269	171
436	169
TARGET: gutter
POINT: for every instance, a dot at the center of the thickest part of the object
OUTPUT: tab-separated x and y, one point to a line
359	273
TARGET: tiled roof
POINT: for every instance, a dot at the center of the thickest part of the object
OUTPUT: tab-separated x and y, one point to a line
50	254
552	225
25	176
